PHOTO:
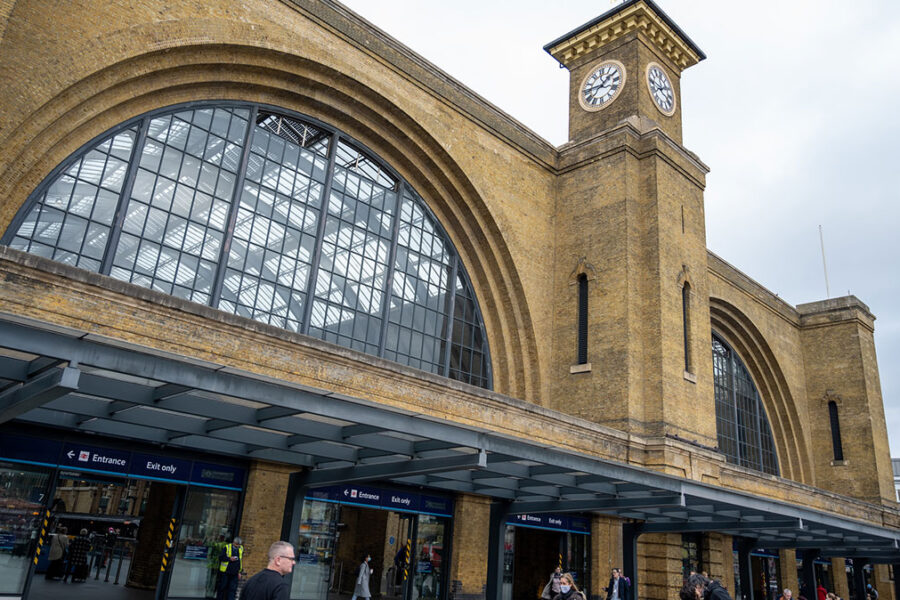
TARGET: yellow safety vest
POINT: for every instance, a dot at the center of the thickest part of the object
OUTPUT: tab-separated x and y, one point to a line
224	564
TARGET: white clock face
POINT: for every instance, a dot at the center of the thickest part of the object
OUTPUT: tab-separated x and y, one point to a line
660	89
602	85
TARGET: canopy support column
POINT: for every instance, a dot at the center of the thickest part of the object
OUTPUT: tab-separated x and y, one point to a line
745	572
630	533
496	540
859	578
808	583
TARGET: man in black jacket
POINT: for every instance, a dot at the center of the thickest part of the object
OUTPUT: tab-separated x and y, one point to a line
269	584
618	587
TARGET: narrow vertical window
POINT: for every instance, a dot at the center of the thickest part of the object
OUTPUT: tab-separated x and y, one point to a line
582	318
686	322
835	431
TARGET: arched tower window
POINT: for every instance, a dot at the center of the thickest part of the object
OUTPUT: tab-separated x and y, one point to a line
268	215
744	435
686	326
582	319
836	444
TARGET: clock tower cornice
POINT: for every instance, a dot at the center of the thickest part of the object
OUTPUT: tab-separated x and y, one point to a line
642	16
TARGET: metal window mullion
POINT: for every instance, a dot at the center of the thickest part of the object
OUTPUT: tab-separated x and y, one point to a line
759	429
320	233
169	214
389	279
96	196
228	234
118	221
733	398
451	307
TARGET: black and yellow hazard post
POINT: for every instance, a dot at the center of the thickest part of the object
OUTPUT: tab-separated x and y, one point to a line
406	559
560	561
170	538
168	554
46	520
45	526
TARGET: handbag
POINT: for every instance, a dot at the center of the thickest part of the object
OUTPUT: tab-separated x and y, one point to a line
547	594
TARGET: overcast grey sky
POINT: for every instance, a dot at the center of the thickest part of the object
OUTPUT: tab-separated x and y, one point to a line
795	111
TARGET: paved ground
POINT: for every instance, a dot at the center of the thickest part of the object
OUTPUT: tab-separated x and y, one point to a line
41	589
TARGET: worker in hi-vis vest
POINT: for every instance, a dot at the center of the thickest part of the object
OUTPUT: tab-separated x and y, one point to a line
231	564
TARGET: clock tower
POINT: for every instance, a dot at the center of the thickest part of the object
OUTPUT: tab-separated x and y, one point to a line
632	276
625	63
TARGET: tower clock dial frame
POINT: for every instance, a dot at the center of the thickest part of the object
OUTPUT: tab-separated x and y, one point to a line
602	85
660	87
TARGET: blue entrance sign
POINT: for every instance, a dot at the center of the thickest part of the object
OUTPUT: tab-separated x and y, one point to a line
82	456
356	494
88	458
552	521
384	498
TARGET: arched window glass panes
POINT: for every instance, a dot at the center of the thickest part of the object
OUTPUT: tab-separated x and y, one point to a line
269	216
419	309
70	220
744	435
353	268
467	354
175	215
271	253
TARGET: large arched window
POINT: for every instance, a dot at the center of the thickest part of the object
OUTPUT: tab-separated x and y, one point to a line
268	215
744	435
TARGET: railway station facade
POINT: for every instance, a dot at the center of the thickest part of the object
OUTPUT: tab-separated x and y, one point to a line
268	273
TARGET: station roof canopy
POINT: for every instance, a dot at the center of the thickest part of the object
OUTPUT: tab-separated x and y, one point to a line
79	381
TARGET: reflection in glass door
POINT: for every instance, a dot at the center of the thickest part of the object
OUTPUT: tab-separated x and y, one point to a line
206	526
22	495
318	533
429	561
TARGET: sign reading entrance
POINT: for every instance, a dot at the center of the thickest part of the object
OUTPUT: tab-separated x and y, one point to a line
97	459
384	498
552	521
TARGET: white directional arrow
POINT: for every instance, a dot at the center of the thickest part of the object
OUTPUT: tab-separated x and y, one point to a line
70	454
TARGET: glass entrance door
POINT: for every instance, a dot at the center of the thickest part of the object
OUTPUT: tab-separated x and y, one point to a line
207	524
22	498
429	564
408	553
119	527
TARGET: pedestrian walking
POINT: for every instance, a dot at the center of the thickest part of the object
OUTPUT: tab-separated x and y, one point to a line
270	584
618	586
362	579
552	588
567	589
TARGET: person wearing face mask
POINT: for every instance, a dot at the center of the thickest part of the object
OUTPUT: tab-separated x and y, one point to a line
567	589
362	579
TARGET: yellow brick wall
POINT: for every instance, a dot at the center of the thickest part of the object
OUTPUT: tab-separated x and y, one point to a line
264	502
468	570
